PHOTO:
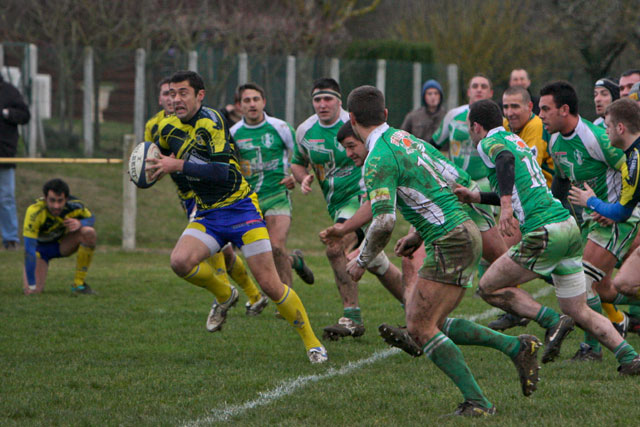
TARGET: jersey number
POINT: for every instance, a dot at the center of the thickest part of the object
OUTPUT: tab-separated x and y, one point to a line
537	178
431	171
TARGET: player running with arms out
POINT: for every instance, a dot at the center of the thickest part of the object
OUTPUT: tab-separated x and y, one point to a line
622	118
551	241
519	118
397	171
223	262
199	147
57	226
343	189
583	154
492	243
265	145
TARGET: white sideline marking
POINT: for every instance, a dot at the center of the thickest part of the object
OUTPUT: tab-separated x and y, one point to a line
288	387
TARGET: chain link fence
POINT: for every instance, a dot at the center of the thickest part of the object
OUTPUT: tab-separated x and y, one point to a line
105	111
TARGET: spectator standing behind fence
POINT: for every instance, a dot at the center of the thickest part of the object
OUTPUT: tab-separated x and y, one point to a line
424	121
13	112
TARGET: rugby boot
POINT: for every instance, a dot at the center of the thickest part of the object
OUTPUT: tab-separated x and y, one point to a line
526	362
399	337
344	328
507	321
554	336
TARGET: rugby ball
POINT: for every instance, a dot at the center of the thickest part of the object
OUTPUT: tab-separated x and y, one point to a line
138	161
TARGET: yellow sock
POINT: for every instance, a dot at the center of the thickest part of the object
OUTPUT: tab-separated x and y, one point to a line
85	255
239	275
292	309
613	313
216	261
203	276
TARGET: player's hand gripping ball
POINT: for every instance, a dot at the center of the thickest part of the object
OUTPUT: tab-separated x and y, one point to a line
137	162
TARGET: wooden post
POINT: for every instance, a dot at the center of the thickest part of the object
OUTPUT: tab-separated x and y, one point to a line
128	197
87	105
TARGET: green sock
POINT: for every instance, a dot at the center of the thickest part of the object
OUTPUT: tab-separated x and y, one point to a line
448	357
482	267
625	300
465	332
297	262
634	310
354	314
625	353
595	304
547	317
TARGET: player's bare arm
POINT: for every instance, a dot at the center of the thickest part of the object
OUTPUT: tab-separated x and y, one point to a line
301	174
465	195
408	244
578	196
337	231
377	238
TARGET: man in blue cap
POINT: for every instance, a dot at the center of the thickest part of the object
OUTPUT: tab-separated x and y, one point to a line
424	121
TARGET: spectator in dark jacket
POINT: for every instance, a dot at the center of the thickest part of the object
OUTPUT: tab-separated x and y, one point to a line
424	121
13	112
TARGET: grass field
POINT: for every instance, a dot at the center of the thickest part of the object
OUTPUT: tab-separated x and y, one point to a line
138	353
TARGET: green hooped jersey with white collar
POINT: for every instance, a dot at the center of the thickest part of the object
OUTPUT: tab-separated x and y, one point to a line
264	151
339	178
532	201
586	155
399	170
462	150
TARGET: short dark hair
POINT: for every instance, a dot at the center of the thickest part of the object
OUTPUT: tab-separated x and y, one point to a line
484	76
518	90
194	79
326	83
56	185
252	86
345	131
630	72
563	93
625	111
366	103
486	113
164	81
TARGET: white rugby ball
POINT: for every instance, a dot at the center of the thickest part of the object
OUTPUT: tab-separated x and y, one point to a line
137	163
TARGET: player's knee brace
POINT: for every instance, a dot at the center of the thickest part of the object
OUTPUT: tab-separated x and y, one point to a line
570	285
592	274
379	265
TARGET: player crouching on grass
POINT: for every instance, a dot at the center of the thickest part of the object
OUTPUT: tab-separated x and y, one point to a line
196	142
551	241
398	170
56	226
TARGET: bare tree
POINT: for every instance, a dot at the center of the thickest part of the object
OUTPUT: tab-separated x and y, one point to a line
492	36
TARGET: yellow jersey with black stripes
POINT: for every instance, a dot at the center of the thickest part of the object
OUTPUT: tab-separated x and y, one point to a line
152	133
40	224
152	126
205	139
630	194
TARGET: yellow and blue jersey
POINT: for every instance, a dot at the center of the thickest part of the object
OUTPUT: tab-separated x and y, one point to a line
152	132
45	227
630	193
202	140
152	127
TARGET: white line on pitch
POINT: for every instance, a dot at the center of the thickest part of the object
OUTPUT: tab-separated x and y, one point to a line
288	387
